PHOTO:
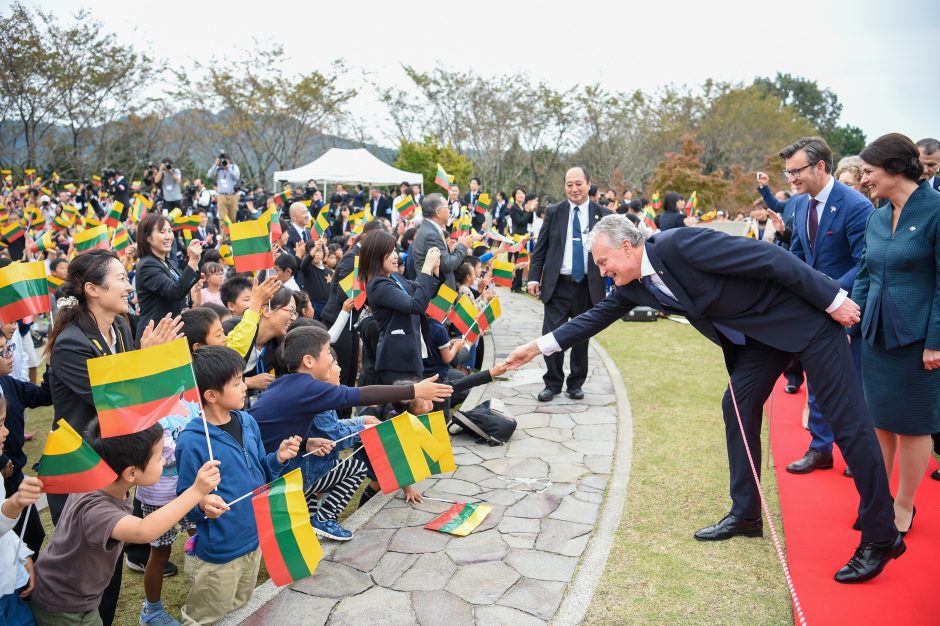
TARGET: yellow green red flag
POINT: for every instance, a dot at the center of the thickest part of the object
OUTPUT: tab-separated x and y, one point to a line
70	465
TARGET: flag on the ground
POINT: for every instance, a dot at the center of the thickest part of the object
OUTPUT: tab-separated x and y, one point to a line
92	239
13	231
483	204
120	239
502	273
288	542
113	218
463	315
441	178
23	291
321	223
134	390
54	283
43	242
352	286
399	450
406	207
251	246
70	465
460	519
437	424
440	304
282	198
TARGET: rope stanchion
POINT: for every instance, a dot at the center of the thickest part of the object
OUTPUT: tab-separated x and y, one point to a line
797	607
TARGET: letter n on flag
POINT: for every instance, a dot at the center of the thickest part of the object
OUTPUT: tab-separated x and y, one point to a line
403	449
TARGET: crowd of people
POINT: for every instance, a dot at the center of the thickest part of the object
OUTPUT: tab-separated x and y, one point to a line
282	357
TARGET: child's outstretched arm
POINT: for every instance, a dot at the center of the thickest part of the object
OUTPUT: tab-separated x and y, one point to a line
28	493
132	529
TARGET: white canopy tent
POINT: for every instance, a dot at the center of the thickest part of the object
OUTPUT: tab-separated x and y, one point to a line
349	166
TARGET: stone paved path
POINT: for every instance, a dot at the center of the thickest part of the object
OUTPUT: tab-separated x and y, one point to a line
547	487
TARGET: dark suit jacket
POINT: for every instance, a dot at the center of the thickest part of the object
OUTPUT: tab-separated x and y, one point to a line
210	230
293	237
159	293
337	296
400	315
757	289
429	237
520	219
840	240
381	207
545	265
899	280
670	219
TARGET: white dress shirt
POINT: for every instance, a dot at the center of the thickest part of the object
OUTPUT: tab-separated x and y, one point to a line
570	235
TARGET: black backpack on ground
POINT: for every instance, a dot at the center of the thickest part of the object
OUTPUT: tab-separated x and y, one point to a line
490	424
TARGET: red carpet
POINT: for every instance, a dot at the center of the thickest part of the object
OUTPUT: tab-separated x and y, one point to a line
818	511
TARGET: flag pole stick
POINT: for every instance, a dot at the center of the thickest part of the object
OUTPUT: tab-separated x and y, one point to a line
336	441
22	533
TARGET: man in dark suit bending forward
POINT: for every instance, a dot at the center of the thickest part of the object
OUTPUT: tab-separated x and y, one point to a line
762	306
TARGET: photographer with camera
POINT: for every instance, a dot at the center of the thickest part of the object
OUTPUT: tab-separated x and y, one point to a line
226	176
169	177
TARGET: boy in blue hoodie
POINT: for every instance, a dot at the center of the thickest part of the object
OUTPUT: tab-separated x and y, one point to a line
226	557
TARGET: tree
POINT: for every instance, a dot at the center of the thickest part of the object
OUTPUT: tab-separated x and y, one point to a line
682	171
424	156
261	116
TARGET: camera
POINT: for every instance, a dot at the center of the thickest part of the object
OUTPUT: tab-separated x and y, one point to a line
168	164
223	158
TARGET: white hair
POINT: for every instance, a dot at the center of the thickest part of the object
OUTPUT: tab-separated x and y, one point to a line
617	229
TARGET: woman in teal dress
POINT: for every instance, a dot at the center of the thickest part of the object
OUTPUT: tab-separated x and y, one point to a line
898	290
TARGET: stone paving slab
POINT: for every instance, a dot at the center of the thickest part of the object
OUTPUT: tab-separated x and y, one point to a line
547	487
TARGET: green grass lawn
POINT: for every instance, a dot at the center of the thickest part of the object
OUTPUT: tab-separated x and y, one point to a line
657	573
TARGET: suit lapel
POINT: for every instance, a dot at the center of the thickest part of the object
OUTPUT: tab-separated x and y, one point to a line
676	289
801	222
833	206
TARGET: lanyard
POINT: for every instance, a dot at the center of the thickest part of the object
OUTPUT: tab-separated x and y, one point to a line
259	364
398	282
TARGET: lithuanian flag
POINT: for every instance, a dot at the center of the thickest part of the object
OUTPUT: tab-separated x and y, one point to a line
54	283
113	218
44	242
485	319
321	223
463	315
12	231
502	273
61	221
353	287
691	204
186	223
657	203
437	424
483	204
288	543
35	216
282	198
442	178
273	219
251	246
460	519
406	207
120	239
94	238
400	450
70	465
134	390
23	291
440	305
649	217
226	251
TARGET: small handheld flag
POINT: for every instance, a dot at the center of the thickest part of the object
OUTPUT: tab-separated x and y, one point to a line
321	223
251	246
440	305
406	207
463	315
23	291
441	178
461	519
95	238
502	273
288	542
400	450
70	465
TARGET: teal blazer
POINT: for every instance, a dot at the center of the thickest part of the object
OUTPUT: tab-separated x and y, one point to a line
898	285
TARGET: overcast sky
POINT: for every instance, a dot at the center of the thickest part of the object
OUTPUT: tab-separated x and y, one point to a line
878	57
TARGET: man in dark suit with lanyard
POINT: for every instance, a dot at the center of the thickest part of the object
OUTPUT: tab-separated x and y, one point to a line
562	272
762	305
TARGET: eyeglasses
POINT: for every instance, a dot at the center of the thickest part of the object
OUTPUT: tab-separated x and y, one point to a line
7	351
795	173
291	312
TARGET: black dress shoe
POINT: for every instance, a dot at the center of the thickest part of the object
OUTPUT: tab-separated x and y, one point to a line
575	394
869	560
791	389
546	395
812	460
936	474
731	526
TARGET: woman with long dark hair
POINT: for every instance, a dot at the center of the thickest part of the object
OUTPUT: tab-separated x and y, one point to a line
672	215
898	290
161	287
90	322
398	306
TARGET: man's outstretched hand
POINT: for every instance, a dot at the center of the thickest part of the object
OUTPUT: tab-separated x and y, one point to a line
848	313
522	355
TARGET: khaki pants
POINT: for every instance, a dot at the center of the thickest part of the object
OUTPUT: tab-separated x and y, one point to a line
48	618
228	206
218	589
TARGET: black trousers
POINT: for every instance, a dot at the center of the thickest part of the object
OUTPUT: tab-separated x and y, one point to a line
794	373
569	299
347	355
754	369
